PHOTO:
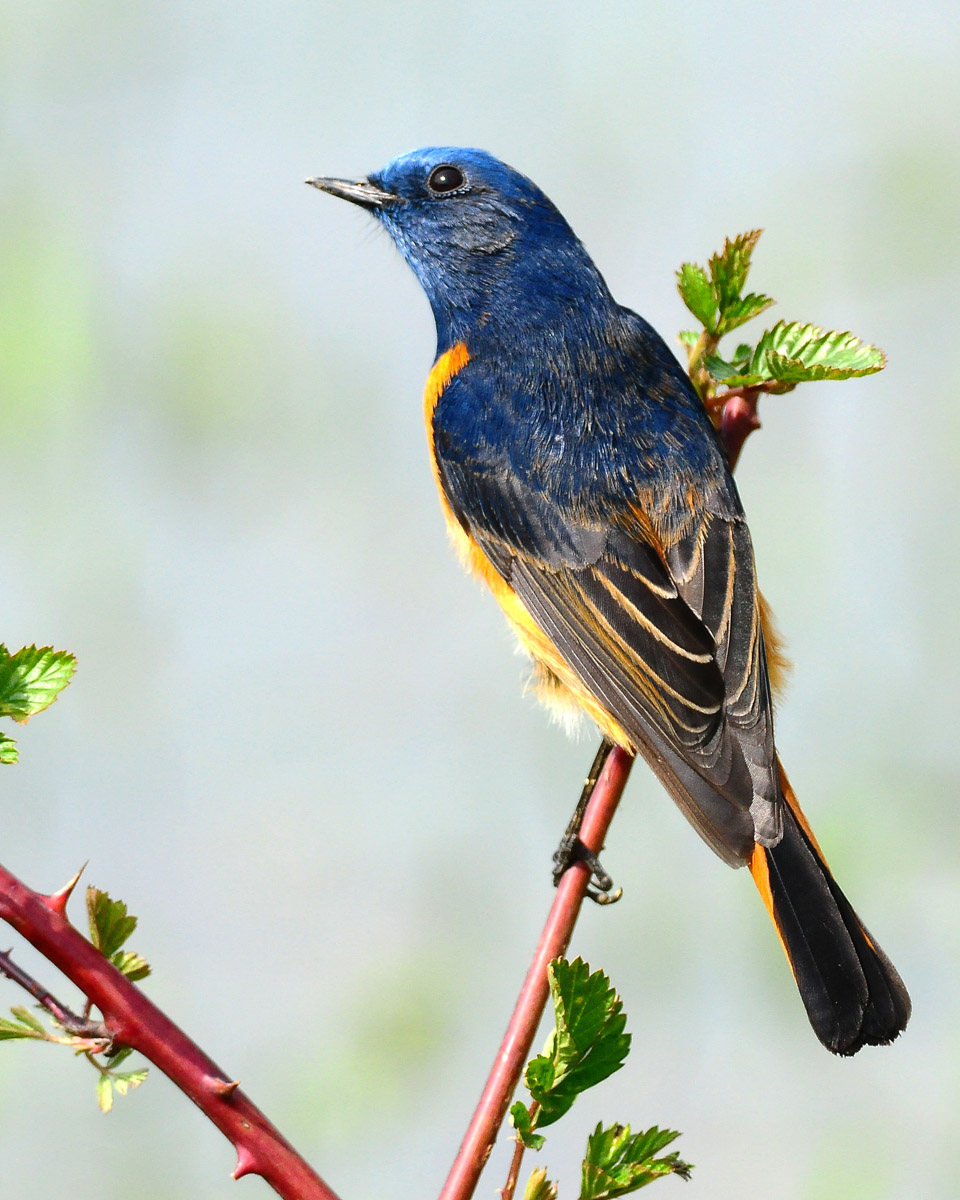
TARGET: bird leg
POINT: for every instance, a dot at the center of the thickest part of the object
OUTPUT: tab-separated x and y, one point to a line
572	849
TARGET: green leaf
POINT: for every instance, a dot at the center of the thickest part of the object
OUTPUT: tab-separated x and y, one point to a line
110	926
129	1080
133	966
698	294
31	1019
31	679
114	1060
8	749
792	352
30	1028
688	337
587	1045
522	1122
720	370
105	1093
539	1186
617	1164
738	312
729	268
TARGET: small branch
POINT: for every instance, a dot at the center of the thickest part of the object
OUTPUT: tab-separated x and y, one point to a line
67	1019
132	1020
738	419
515	1047
510	1187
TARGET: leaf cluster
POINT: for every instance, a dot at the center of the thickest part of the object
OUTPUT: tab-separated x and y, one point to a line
716	299
30	681
791	352
618	1163
589	1043
110	927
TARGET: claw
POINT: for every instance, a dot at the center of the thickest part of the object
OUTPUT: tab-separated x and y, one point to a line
600	889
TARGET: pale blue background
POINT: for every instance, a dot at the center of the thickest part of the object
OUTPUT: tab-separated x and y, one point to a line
297	744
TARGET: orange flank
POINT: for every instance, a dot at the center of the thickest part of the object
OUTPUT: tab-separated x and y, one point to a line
558	686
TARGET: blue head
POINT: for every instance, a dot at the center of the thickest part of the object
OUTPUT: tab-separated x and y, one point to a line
495	257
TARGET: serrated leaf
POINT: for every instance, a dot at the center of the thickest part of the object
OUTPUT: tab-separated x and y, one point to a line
587	1045
27	1017
698	294
522	1122
11	1030
105	1093
31	679
128	1080
617	1164
539	1186
720	370
738	312
110	924
729	268
8	749
688	338
133	966
792	352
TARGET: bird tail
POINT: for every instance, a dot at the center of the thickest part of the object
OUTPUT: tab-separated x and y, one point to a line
850	989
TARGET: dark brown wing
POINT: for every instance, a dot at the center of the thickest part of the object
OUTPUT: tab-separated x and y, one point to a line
670	644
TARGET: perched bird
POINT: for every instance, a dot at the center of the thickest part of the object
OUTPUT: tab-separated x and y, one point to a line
582	480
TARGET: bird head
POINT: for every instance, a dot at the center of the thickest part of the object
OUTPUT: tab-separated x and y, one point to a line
490	250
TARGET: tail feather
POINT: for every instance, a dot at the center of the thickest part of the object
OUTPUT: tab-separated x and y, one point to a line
850	989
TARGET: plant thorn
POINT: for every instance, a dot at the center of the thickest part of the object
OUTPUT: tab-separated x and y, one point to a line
246	1164
223	1087
57	901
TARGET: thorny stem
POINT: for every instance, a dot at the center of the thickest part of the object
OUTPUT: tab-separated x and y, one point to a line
133	1020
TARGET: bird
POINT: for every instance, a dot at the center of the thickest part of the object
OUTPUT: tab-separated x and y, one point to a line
582	481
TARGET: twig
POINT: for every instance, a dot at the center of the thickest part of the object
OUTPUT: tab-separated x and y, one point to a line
68	1020
510	1187
738	419
133	1020
515	1047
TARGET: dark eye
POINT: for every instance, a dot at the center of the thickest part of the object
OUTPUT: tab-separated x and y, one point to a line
445	179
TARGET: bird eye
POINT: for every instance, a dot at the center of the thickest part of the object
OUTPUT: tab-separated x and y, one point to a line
445	179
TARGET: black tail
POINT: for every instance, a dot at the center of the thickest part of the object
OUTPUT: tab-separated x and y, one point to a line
852	992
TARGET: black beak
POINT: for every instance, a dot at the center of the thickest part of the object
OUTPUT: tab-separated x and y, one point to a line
359	191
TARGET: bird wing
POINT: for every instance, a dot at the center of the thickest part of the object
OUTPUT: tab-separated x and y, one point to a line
667	640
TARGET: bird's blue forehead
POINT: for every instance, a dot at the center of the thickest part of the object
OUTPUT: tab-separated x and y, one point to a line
407	175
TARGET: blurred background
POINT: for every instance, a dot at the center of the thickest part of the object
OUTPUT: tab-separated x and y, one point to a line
297	743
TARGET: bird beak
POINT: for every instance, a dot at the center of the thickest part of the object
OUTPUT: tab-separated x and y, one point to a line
359	191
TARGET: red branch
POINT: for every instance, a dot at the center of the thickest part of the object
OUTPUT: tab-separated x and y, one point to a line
135	1021
515	1047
